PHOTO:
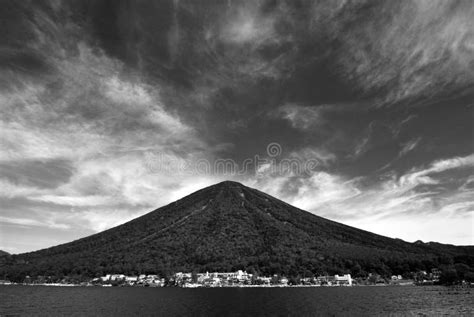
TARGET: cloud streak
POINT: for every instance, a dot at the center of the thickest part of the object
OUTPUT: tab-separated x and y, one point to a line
393	200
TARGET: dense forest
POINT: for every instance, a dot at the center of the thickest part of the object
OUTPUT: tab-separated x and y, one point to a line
227	227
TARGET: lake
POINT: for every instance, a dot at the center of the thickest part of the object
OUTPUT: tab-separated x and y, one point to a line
332	301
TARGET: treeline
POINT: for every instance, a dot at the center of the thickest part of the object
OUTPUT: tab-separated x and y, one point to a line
82	267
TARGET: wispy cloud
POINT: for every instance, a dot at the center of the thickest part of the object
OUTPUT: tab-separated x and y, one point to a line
417	52
423	176
393	200
409	146
11	190
302	117
32	222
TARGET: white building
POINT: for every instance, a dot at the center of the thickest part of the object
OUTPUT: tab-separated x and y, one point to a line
343	280
117	277
131	279
242	275
105	278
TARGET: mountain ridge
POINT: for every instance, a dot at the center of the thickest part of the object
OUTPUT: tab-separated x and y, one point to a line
229	226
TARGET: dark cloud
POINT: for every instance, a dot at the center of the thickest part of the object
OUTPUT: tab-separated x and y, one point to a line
35	173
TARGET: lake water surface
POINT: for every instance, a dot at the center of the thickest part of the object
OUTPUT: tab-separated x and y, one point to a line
325	301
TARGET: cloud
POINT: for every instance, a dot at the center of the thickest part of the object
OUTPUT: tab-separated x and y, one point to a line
302	117
133	99
92	200
377	134
119	91
375	206
90	106
100	219
246	25
409	146
321	155
416	177
459	208
414	53
43	174
32	222
99	122
10	189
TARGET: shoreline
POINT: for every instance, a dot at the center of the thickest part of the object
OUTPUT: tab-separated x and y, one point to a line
202	286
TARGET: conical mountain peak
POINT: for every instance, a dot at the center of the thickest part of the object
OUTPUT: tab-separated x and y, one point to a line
229	183
230	186
219	193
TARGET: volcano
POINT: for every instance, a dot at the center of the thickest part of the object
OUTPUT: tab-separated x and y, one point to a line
229	226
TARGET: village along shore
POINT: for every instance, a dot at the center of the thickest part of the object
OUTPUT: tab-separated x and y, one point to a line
236	279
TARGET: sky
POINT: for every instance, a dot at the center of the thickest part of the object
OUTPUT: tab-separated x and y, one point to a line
111	109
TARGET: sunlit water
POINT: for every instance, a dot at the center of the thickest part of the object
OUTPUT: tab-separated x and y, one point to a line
136	301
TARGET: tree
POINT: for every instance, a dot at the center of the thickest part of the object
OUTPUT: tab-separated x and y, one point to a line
469	277
449	277
461	269
194	277
294	280
275	279
356	270
373	279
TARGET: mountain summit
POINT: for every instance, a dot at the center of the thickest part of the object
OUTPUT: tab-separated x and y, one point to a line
226	227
